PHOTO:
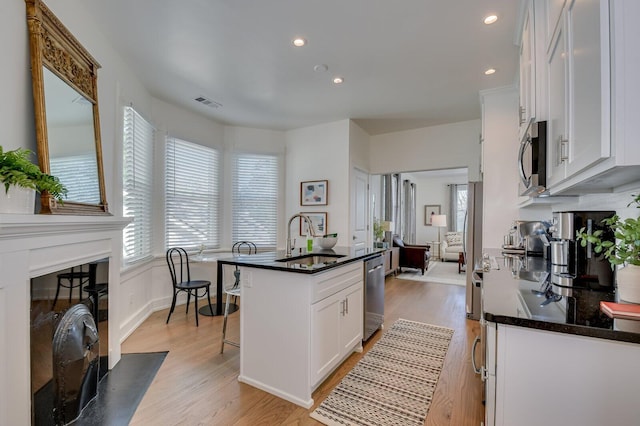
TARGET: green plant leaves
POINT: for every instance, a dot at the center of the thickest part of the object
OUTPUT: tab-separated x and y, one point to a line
626	248
16	169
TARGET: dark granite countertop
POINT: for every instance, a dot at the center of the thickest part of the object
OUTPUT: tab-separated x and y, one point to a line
520	295
275	260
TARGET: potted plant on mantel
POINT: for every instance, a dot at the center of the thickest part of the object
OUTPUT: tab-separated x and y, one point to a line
624	251
21	179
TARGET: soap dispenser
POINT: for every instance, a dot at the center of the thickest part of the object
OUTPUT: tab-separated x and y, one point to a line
309	242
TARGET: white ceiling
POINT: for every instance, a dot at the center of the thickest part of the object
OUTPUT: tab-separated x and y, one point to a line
406	63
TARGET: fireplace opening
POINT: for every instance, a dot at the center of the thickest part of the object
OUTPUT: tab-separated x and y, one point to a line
69	340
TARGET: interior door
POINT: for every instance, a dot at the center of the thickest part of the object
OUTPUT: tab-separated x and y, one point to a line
359	209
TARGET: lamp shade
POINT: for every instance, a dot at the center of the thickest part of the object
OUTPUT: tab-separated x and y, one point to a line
439	220
387	226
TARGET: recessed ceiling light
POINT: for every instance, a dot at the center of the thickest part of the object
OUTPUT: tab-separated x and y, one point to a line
299	42
338	80
490	71
490	19
320	68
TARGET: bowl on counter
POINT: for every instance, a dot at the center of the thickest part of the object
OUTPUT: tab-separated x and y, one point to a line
327	242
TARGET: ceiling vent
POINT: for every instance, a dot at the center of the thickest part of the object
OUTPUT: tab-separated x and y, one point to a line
208	102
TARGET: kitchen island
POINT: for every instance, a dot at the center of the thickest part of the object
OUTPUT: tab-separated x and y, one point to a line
551	355
300	317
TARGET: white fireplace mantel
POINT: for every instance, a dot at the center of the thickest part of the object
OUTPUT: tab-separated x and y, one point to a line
22	226
34	245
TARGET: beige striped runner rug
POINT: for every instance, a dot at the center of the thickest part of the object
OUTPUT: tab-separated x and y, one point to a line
393	383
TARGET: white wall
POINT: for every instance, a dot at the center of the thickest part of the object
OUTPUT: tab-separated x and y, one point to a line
430	191
359	141
447	146
320	153
16	104
500	175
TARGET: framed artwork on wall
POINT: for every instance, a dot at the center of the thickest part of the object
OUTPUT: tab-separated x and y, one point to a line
429	211
319	221
314	193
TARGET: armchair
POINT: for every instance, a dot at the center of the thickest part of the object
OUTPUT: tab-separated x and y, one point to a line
411	255
451	247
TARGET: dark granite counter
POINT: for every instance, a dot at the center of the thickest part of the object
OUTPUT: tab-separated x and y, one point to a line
516	291
275	260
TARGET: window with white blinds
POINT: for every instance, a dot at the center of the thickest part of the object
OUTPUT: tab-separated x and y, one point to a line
82	187
192	195
255	199
137	185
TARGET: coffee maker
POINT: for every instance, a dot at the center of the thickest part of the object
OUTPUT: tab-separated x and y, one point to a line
573	265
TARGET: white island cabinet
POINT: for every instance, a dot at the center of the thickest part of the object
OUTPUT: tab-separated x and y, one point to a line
297	328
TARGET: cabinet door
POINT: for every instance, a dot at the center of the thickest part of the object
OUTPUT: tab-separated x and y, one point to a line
527	71
395	258
352	318
326	346
549	378
490	375
557	127
554	10
588	41
387	262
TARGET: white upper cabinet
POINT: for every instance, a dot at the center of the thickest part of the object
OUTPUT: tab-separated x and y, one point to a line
557	123
532	105
527	71
554	10
582	77
589	91
579	110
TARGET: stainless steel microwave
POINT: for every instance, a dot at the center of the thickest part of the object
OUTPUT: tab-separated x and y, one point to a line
532	160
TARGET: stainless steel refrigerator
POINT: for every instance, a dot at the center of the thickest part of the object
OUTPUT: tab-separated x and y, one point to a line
473	247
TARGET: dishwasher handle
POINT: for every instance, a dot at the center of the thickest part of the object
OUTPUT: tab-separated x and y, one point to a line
373	269
473	356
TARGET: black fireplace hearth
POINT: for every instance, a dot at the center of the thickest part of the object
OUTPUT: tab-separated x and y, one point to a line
69	345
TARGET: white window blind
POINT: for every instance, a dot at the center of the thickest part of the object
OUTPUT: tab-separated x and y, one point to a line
192	195
80	175
255	199
137	185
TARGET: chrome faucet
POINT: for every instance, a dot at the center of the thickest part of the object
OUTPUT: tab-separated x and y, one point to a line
309	224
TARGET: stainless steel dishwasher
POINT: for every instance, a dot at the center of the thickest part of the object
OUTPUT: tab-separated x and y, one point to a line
373	295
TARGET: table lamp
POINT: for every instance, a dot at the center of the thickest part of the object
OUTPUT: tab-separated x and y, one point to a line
388	228
439	220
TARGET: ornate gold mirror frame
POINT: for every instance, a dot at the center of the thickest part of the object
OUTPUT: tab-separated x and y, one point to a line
56	54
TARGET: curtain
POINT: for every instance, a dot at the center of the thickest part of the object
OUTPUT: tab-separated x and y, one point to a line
453	207
387	206
397	203
409	209
457	206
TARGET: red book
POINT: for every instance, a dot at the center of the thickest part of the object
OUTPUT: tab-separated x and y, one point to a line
621	310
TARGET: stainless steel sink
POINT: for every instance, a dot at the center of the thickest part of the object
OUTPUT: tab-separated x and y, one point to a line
310	260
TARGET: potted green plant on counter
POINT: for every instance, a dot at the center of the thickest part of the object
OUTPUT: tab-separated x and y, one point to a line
378	233
624	251
21	179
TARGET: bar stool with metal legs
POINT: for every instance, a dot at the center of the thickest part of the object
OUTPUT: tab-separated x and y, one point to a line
234	290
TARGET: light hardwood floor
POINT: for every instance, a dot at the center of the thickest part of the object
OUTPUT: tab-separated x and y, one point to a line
197	386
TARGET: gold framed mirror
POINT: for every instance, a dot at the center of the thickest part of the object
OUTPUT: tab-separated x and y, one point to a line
65	96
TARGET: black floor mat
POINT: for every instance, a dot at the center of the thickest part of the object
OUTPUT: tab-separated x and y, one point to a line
120	392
